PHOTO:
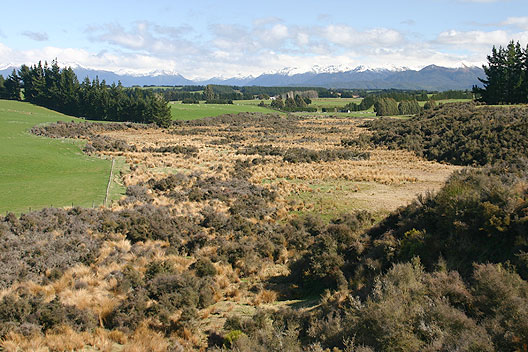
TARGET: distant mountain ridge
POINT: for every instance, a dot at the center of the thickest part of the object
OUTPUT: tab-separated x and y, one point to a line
431	77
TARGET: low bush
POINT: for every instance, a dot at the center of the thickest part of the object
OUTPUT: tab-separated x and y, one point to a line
461	134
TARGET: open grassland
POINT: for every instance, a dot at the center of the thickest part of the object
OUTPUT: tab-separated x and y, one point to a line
384	181
197	111
37	172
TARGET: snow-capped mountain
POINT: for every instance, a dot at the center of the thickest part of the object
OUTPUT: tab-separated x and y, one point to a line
431	77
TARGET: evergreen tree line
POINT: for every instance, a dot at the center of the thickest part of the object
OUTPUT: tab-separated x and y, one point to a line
59	89
390	107
293	104
506	76
453	94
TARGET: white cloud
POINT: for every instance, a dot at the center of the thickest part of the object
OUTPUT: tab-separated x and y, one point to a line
454	37
479	41
278	32
521	22
145	37
349	37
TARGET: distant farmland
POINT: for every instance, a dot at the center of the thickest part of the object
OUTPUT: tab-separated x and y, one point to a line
198	111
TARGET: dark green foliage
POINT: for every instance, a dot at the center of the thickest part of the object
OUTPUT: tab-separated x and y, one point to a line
431	104
506	76
173	149
219	101
329	249
386	107
293	104
303	155
462	134
204	267
452	94
11	87
479	216
190	101
60	90
409	107
157	296
365	104
445	273
277	103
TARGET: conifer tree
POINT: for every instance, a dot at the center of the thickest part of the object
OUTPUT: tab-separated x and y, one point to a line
506	76
12	86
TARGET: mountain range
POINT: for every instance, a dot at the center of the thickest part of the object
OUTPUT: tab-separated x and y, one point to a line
432	77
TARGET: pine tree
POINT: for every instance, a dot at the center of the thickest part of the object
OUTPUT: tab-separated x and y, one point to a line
209	93
12	86
278	103
290	103
299	101
506	76
386	107
3	93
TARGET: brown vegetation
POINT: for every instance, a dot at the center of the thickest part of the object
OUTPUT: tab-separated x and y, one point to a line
208	232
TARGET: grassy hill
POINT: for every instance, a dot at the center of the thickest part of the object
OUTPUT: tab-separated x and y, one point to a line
38	172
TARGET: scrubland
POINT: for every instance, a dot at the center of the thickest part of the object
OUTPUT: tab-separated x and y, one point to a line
256	232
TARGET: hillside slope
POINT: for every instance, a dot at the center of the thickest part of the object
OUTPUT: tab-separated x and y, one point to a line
38	172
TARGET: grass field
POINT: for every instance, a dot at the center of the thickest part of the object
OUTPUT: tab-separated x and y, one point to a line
331	102
447	101
38	172
198	111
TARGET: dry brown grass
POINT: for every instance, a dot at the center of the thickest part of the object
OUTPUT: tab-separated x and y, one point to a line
144	340
403	172
264	297
384	182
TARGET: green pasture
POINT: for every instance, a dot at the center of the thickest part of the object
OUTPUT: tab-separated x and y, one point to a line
197	111
37	172
447	101
252	102
334	102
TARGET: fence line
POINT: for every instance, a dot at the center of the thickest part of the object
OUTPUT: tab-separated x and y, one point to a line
109	182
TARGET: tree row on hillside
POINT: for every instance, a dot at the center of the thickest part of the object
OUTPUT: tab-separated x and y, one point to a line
453	94
59	89
506	76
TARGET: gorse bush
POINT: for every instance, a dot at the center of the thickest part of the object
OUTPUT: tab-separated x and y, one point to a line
304	155
461	134
479	216
447	272
27	314
48	241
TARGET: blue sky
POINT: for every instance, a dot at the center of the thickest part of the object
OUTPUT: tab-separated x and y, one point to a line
202	39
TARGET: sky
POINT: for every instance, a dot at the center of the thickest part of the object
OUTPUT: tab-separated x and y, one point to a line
203	38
